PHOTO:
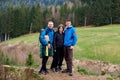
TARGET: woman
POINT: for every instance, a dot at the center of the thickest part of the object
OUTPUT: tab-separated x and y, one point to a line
58	49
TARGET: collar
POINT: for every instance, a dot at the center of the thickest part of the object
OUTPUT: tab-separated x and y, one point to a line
49	29
69	27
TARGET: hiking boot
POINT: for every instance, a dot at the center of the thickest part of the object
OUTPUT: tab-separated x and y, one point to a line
56	69
40	72
45	72
65	71
71	74
53	69
59	68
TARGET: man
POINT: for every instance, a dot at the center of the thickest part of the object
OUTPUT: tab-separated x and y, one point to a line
70	40
46	40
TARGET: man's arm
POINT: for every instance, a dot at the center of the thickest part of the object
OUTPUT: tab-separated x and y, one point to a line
74	37
42	38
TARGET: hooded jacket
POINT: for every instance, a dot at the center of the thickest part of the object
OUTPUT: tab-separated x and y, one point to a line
70	37
50	33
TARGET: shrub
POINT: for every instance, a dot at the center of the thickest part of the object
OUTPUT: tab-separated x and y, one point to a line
30	60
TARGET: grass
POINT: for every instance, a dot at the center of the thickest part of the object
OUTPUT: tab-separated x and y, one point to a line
96	43
28	38
86	72
99	43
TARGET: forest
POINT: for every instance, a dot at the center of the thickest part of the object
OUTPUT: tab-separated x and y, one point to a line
24	19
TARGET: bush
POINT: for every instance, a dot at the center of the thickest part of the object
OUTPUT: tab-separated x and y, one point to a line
30	60
1	58
7	61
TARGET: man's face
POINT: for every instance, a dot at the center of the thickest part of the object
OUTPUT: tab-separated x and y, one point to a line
68	23
50	25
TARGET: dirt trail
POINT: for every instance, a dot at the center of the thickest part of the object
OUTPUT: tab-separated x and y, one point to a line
76	76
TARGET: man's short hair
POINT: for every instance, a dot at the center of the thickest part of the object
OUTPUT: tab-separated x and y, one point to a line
50	22
68	20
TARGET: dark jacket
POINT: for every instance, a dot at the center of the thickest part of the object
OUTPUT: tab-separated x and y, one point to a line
58	40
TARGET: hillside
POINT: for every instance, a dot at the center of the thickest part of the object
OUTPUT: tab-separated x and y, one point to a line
96	53
100	43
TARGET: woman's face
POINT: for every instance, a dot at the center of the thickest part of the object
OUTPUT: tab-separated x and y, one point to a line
61	29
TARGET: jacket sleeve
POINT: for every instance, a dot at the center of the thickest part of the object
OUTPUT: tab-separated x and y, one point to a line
74	37
42	39
54	42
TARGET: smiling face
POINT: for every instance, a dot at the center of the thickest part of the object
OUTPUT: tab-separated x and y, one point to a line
60	29
68	23
50	24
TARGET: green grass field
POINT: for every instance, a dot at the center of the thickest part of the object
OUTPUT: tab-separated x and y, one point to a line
96	43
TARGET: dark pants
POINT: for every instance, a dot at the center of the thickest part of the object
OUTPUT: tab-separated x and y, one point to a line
44	62
58	57
68	53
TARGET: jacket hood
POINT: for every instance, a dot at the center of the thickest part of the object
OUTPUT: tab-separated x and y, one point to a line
69	27
49	29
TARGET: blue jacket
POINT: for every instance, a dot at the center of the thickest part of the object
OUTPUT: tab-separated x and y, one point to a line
50	33
70	37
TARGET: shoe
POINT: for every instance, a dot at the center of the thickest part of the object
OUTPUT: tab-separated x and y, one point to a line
71	74
46	71
53	69
56	69
40	72
65	71
59	68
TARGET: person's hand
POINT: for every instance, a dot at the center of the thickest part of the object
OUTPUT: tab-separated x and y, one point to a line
71	47
49	46
54	50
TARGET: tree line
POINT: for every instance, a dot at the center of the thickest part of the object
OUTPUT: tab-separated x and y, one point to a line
16	21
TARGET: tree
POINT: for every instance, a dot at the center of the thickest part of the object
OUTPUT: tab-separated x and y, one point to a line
82	15
116	11
47	14
9	21
38	19
23	20
64	12
101	12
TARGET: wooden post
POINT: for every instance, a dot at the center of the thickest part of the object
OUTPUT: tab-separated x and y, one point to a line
85	21
5	36
30	28
111	20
